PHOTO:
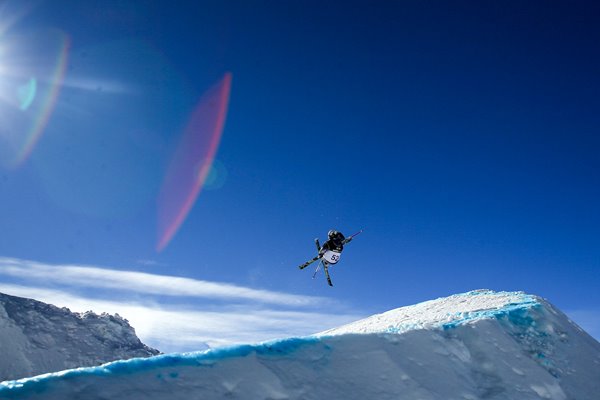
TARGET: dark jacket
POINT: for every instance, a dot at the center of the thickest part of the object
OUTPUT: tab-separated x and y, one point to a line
335	243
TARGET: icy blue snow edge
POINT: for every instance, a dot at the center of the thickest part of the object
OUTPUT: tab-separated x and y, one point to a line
514	311
204	358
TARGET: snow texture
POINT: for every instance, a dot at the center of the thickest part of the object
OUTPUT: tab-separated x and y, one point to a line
36	338
476	345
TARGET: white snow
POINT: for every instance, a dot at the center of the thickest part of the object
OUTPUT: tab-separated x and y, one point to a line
476	345
448	311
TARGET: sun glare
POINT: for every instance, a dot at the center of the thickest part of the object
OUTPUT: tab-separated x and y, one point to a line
32	68
2	74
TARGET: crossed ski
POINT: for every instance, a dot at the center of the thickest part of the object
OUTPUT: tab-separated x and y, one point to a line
324	263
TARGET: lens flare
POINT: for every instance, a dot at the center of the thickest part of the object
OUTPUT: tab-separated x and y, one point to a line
216	176
31	75
46	103
26	94
192	161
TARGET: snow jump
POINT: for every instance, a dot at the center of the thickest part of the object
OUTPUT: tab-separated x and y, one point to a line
330	252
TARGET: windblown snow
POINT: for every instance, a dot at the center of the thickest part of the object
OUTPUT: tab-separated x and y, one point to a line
476	345
36	338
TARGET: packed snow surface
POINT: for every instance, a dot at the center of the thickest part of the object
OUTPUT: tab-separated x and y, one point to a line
36	337
445	313
477	345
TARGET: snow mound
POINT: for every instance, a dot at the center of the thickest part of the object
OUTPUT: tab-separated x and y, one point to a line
443	313
36	337
477	345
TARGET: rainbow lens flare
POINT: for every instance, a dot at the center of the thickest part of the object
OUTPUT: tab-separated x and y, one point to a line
192	161
46	102
31	75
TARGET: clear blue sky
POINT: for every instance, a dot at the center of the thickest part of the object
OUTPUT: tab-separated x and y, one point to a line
462	136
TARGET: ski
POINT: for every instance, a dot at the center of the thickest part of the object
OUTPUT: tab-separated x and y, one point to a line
318	256
326	269
306	264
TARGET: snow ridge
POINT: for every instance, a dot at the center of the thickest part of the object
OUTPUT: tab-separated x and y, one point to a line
443	313
476	345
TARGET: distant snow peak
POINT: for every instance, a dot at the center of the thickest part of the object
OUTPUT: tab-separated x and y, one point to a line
36	337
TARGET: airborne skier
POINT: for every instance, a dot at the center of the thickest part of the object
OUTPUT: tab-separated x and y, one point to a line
330	252
332	248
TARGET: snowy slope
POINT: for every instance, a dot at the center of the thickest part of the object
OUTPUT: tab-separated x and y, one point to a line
444	312
36	338
477	345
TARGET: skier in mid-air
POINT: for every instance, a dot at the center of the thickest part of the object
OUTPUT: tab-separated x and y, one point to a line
330	252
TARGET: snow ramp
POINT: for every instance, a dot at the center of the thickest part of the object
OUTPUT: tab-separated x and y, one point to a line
476	345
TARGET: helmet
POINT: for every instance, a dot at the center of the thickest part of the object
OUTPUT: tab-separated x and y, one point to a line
331	233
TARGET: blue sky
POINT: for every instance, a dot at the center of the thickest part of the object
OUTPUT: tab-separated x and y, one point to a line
462	137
